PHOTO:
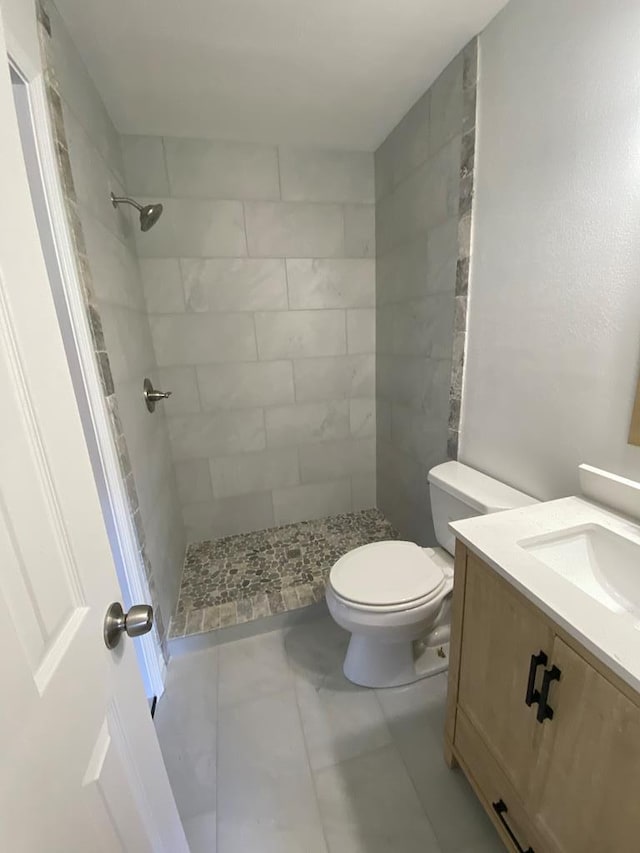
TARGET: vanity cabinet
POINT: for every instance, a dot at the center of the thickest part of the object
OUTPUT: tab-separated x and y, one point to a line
548	737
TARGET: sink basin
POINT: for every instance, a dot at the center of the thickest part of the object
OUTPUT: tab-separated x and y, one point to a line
598	561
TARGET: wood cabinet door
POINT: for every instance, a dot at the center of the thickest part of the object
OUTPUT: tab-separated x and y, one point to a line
587	781
500	633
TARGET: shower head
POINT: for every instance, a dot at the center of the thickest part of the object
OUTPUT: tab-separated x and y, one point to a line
149	214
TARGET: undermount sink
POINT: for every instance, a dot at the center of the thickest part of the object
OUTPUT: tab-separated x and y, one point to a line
598	561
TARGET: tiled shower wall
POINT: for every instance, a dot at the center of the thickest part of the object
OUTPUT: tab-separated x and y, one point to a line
92	167
424	188
260	284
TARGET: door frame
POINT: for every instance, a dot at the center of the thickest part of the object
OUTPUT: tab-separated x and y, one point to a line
74	328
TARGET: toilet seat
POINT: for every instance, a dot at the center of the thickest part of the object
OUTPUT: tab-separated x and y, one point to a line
388	576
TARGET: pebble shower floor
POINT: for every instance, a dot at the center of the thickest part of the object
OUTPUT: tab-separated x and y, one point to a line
252	575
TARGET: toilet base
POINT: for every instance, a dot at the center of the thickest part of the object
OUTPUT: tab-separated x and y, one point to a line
370	663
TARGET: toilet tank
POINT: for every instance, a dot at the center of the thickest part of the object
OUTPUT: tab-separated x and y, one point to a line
458	492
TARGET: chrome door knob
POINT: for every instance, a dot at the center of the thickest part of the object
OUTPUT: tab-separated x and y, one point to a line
151	396
135	623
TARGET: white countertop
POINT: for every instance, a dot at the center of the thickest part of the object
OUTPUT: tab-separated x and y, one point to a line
613	638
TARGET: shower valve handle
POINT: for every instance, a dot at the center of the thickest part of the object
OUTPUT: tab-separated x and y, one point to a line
151	396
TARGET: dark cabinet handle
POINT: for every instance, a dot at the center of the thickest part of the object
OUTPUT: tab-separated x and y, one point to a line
544	711
500	808
532	694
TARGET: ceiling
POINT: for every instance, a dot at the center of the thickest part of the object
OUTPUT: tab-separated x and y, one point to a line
325	73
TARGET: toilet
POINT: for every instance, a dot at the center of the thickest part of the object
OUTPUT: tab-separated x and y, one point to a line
394	597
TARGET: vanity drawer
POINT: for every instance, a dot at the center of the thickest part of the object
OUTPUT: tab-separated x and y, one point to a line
494	790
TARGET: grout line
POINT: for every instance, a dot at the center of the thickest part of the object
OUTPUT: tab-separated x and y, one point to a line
198	391
399	752
270	256
346	333
344	232
430	156
293	379
286	281
266	443
311	770
166	164
214	199
244	225
279	173
93	144
255	341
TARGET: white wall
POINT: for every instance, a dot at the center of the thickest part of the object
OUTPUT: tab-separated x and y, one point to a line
554	329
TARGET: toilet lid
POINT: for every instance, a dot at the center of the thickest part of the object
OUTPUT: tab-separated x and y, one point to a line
386	573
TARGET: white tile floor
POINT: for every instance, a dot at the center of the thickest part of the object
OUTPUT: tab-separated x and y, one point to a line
270	750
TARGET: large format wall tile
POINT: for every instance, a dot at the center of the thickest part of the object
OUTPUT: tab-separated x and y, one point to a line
297	334
364	490
414	381
360	231
403	272
181	339
421	184
144	166
95	180
80	95
194	228
331	283
427	197
126	333
445	119
242	386
224	517
335	459
162	283
280	230
406	148
317	175
254	472
307	422
299	503
237	284
216	433
183	384
219	169
259	282
334	378
194	480
114	269
361	330
362	417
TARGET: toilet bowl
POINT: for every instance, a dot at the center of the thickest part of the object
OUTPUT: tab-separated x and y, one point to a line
394	597
389	595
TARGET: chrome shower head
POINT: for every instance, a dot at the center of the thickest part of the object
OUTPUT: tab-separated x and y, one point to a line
149	214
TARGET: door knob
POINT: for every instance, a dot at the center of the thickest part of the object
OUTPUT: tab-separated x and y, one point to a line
135	623
151	396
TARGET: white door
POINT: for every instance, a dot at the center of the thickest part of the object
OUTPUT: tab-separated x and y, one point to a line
80	766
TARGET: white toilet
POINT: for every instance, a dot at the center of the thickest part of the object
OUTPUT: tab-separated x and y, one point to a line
394	597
